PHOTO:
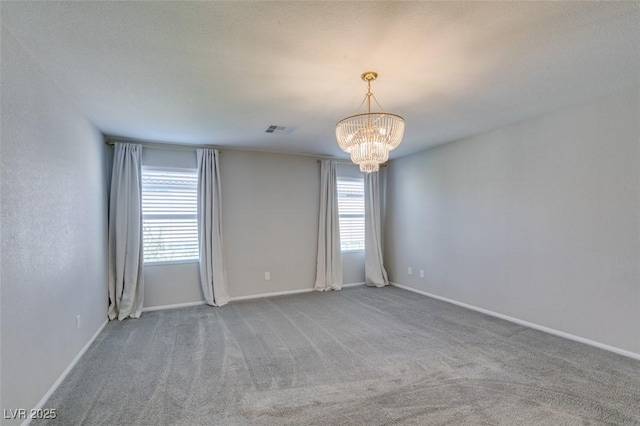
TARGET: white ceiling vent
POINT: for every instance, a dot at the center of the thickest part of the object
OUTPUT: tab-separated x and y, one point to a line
280	130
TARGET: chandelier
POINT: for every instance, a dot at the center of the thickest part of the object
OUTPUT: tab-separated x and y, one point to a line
369	137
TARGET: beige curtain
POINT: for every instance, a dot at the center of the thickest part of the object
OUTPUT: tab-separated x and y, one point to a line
329	264
126	284
213	277
375	274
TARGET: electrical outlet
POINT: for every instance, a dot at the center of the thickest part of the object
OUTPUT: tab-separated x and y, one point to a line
409	271
77	322
267	276
421	273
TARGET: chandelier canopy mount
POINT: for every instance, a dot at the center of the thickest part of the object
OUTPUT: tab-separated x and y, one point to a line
369	76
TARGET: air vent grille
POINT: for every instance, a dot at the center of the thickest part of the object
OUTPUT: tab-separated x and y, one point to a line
279	130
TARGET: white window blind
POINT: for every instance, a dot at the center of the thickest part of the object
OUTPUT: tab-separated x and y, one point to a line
169	215
351	212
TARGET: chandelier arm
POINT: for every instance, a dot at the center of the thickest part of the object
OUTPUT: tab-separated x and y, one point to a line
362	103
377	103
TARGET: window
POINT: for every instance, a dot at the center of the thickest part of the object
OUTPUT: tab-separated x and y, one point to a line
169	215
351	212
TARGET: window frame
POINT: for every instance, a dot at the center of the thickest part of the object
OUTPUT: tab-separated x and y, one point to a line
168	169
359	180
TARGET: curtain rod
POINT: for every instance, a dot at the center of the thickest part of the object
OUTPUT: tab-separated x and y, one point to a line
347	162
337	160
109	140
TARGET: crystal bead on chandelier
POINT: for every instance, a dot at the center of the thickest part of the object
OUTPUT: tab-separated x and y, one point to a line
369	137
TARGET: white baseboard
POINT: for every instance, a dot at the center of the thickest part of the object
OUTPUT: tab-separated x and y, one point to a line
277	293
64	374
555	332
283	293
174	306
238	298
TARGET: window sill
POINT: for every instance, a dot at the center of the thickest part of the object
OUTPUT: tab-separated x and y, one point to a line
170	262
352	251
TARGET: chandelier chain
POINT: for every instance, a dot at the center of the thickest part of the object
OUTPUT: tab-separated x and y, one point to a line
369	94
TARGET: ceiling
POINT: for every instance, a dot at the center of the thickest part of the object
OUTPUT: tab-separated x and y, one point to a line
220	73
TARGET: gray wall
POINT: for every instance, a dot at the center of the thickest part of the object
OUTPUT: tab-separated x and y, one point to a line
539	220
270	208
270	221
53	233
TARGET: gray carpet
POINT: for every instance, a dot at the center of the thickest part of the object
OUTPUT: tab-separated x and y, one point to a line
359	356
